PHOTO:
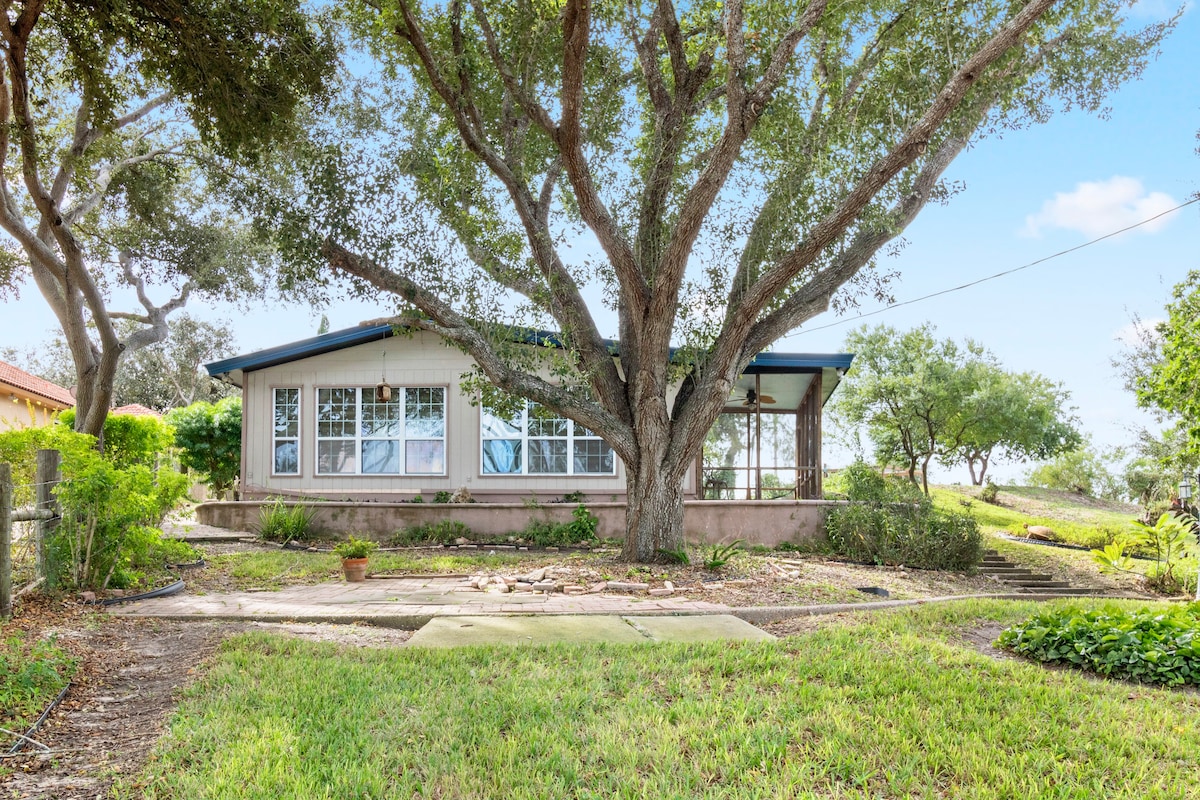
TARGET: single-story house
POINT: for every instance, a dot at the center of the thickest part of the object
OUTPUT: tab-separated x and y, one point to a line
27	401
317	422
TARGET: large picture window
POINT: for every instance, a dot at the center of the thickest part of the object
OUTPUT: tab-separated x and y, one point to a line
286	436
536	442
359	434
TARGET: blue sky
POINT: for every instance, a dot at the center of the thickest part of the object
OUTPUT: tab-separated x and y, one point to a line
1029	195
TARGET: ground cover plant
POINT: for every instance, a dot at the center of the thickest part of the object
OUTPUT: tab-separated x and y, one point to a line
32	672
1148	645
823	714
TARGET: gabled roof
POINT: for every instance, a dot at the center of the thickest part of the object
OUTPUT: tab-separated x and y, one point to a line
32	384
232	369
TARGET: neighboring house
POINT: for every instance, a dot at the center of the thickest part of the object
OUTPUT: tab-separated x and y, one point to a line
134	410
27	401
315	424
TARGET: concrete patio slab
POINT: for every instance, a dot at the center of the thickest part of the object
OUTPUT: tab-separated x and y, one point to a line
543	629
517	630
706	628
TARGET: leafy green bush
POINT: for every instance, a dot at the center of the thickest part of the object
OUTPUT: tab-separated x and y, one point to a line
109	536
442	497
581	528
890	521
130	440
1147	645
111	505
1167	541
209	436
990	493
444	531
278	522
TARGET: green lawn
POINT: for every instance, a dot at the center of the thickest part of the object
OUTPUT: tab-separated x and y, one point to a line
1074	524
884	705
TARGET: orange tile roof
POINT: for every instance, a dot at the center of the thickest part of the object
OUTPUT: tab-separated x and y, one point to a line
20	379
135	410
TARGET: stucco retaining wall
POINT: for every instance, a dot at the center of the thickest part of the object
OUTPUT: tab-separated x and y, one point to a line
768	523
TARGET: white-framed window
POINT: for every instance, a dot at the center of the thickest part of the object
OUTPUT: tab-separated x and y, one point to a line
536	442
358	434
285	443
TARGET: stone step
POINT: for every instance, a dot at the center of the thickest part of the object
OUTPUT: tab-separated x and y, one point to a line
1065	592
1039	585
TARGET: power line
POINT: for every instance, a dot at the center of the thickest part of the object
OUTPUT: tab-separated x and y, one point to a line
998	274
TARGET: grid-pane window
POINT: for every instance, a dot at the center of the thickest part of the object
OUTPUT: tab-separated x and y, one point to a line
286	435
425	430
537	442
360	434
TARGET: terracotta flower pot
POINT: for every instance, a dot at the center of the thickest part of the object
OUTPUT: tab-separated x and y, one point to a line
355	569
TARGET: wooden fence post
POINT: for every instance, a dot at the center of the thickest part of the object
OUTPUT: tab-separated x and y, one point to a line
48	476
6	496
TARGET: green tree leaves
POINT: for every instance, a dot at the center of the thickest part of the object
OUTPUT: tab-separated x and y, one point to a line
921	399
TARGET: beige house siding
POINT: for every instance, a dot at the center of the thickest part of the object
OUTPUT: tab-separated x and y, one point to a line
18	411
420	360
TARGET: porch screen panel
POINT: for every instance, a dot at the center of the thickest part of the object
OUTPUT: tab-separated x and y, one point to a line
286	434
337	431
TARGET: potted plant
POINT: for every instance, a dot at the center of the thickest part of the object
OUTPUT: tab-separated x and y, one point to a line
353	553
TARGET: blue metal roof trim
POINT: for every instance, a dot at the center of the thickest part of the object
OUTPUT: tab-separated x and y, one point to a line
763	363
325	343
790	362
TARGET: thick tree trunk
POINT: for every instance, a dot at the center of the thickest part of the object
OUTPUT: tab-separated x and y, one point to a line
654	515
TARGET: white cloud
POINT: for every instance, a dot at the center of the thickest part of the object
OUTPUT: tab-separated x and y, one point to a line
1096	208
1138	331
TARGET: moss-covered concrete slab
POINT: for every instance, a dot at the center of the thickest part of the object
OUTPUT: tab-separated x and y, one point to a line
462	631
697	628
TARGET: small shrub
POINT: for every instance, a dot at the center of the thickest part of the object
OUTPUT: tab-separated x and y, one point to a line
574	497
278	522
1167	541
443	532
581	528
679	556
417	499
442	497
355	548
889	521
1147	645
719	556
990	493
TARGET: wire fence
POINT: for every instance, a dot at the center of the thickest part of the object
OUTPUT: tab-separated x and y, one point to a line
28	513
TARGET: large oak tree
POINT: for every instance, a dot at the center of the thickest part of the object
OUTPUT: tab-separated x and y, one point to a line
721	169
112	110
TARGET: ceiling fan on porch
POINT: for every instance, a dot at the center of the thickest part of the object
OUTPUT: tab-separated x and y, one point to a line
753	399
